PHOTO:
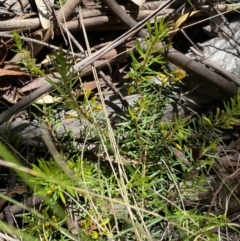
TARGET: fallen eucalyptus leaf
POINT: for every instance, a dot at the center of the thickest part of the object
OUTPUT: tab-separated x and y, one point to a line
48	99
44	13
139	2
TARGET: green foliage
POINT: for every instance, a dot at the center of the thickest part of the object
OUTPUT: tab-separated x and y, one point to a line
68	81
28	63
227	118
47	186
199	227
139	70
41	226
58	188
146	135
131	201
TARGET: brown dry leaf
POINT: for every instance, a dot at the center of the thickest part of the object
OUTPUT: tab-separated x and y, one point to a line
234	144
183	18
230	146
9	78
6	72
12	95
9	82
12	66
230	160
18	190
90	86
237	145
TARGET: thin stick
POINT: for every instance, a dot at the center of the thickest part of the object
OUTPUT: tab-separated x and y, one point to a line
6	35
114	89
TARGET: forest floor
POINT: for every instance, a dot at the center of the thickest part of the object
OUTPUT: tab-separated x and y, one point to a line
119	120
